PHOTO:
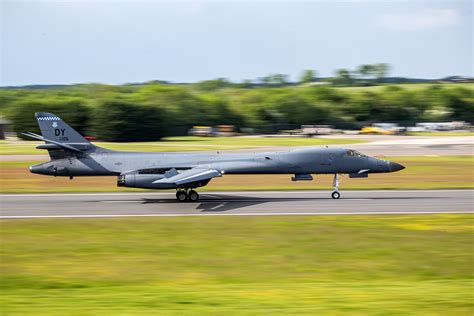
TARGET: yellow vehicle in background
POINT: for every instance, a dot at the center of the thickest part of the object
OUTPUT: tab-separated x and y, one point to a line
219	130
373	130
201	131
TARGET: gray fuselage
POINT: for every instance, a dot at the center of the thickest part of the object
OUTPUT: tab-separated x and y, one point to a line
72	155
298	161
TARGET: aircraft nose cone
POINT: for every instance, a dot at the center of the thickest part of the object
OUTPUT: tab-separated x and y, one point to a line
395	166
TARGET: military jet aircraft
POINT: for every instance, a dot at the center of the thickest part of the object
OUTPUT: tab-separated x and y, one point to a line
72	155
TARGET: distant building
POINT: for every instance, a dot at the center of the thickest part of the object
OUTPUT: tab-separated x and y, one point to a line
443	126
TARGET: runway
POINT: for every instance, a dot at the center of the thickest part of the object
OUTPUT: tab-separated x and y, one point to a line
255	203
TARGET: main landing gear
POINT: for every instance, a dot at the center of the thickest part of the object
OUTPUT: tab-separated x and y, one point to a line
187	195
335	186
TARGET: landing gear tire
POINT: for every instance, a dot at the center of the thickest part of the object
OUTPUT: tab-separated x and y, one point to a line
181	196
335	186
193	196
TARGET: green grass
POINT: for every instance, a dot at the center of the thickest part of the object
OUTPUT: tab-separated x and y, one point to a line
446	172
185	143
360	265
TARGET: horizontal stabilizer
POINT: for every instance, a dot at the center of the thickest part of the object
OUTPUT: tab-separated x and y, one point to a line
48	147
62	145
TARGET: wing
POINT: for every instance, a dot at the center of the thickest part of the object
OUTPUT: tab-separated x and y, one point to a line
188	176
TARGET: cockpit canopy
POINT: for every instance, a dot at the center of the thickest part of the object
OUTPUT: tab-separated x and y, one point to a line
354	153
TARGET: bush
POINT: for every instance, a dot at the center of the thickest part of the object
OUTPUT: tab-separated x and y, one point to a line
121	121
73	111
152	111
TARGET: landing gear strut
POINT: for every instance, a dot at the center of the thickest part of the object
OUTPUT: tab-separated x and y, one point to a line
335	185
187	195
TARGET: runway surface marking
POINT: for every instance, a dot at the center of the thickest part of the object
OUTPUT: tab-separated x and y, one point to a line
232	203
228	214
45	195
224	200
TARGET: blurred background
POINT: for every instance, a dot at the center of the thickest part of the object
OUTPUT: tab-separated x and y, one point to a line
119	71
391	79
349	101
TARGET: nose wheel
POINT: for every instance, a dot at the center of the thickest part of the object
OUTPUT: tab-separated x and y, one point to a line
335	185
187	195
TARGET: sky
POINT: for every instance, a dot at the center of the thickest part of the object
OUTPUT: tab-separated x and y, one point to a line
116	42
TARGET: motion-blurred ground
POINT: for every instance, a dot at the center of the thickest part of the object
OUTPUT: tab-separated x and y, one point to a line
358	265
361	265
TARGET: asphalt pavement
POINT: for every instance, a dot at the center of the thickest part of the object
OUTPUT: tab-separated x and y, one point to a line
250	203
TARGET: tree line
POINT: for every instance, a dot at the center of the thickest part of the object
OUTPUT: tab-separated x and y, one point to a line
363	75
152	111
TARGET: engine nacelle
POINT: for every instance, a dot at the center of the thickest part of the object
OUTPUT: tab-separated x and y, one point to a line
144	181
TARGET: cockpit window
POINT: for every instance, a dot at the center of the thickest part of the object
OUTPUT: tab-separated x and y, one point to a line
354	153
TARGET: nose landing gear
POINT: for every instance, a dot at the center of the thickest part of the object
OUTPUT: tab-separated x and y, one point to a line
187	195
335	184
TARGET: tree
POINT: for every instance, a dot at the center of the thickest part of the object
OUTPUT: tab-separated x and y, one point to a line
209	85
70	110
279	79
460	103
365	70
247	83
343	76
275	80
307	76
381	70
122	121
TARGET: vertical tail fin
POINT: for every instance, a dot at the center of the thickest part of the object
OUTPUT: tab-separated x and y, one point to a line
54	128
61	139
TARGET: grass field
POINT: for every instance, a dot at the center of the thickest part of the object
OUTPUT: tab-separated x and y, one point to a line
420	173
185	143
359	265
